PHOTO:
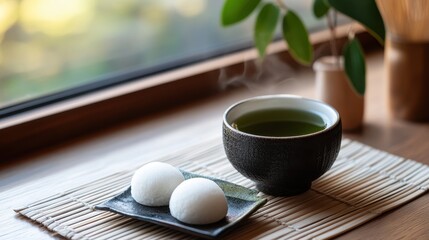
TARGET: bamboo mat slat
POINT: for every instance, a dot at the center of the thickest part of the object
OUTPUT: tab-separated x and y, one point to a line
363	183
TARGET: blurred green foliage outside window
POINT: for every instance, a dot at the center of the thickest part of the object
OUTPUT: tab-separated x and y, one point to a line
48	46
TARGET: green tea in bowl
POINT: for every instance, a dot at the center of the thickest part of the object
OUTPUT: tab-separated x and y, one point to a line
279	122
281	142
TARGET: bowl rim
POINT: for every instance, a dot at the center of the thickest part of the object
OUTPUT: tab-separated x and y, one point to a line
225	122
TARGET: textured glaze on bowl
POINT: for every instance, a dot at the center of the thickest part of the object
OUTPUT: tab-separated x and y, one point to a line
282	166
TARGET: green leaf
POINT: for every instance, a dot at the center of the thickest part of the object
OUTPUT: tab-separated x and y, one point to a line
296	36
236	10
320	8
265	26
354	64
365	12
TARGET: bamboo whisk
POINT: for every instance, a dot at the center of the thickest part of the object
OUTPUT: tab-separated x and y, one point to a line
406	19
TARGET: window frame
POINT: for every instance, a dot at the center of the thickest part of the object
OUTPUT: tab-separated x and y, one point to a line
39	128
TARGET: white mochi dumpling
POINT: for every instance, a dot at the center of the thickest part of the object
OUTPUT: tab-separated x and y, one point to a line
198	201
153	183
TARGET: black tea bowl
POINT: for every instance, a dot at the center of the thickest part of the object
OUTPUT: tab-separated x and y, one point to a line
282	166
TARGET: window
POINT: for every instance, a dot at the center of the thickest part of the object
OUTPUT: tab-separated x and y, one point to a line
56	49
71	67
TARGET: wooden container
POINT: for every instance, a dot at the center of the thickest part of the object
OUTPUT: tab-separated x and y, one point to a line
406	57
407	73
334	88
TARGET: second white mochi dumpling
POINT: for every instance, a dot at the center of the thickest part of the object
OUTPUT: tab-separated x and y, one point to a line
153	183
198	201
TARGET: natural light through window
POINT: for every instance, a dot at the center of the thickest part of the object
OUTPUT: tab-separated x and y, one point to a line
49	46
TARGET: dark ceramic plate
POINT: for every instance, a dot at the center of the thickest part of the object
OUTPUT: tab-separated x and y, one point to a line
242	202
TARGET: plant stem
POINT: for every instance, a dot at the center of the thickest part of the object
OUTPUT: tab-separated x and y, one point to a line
283	6
331	17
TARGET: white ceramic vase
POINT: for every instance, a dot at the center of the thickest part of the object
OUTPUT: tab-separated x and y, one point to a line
334	88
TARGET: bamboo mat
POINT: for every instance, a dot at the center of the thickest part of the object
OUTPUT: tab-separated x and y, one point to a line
363	183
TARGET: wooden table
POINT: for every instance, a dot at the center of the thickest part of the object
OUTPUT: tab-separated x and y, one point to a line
39	175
